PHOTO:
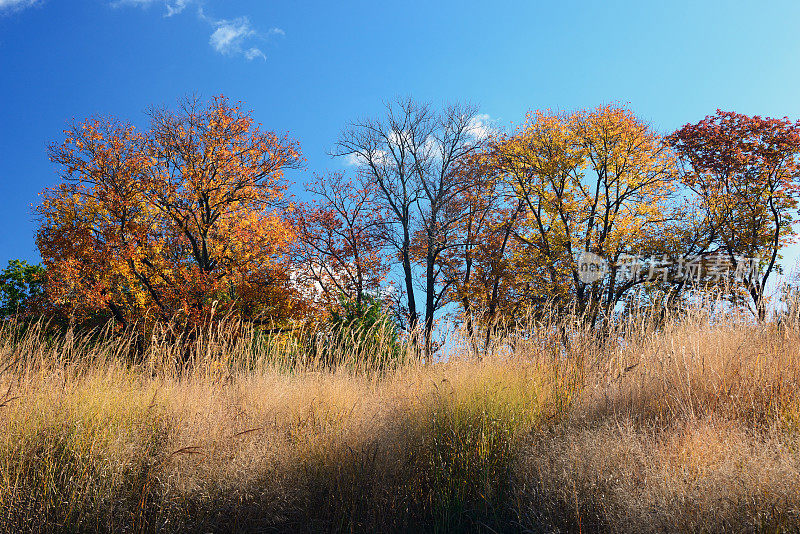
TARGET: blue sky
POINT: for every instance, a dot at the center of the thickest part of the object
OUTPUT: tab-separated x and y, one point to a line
309	67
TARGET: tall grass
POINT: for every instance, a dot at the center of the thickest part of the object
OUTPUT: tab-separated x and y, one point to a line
684	424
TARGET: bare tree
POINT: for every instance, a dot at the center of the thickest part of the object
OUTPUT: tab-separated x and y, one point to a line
412	154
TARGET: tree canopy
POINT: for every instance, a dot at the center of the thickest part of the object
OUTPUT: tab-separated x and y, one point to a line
186	216
438	214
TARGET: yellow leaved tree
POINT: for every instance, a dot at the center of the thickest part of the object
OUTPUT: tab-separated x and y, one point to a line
599	181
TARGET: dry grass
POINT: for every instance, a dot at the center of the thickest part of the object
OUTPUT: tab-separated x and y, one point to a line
689	426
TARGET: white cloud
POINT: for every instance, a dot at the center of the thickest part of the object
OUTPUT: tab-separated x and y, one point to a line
481	126
228	36
9	6
252	53
231	37
353	159
379	157
173	8
235	36
478	128
433	148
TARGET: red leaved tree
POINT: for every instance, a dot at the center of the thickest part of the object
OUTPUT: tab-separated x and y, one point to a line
341	240
745	173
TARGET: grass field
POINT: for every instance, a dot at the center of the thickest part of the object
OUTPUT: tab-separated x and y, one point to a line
692	425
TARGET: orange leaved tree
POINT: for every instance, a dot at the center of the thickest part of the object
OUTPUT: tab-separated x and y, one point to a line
181	219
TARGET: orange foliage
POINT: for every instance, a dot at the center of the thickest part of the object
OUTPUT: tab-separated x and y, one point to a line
180	219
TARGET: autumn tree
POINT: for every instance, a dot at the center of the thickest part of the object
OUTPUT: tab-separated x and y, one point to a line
179	218
744	170
478	265
411	154
341	240
599	181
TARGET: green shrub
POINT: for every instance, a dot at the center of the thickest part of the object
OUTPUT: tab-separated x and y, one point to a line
364	332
